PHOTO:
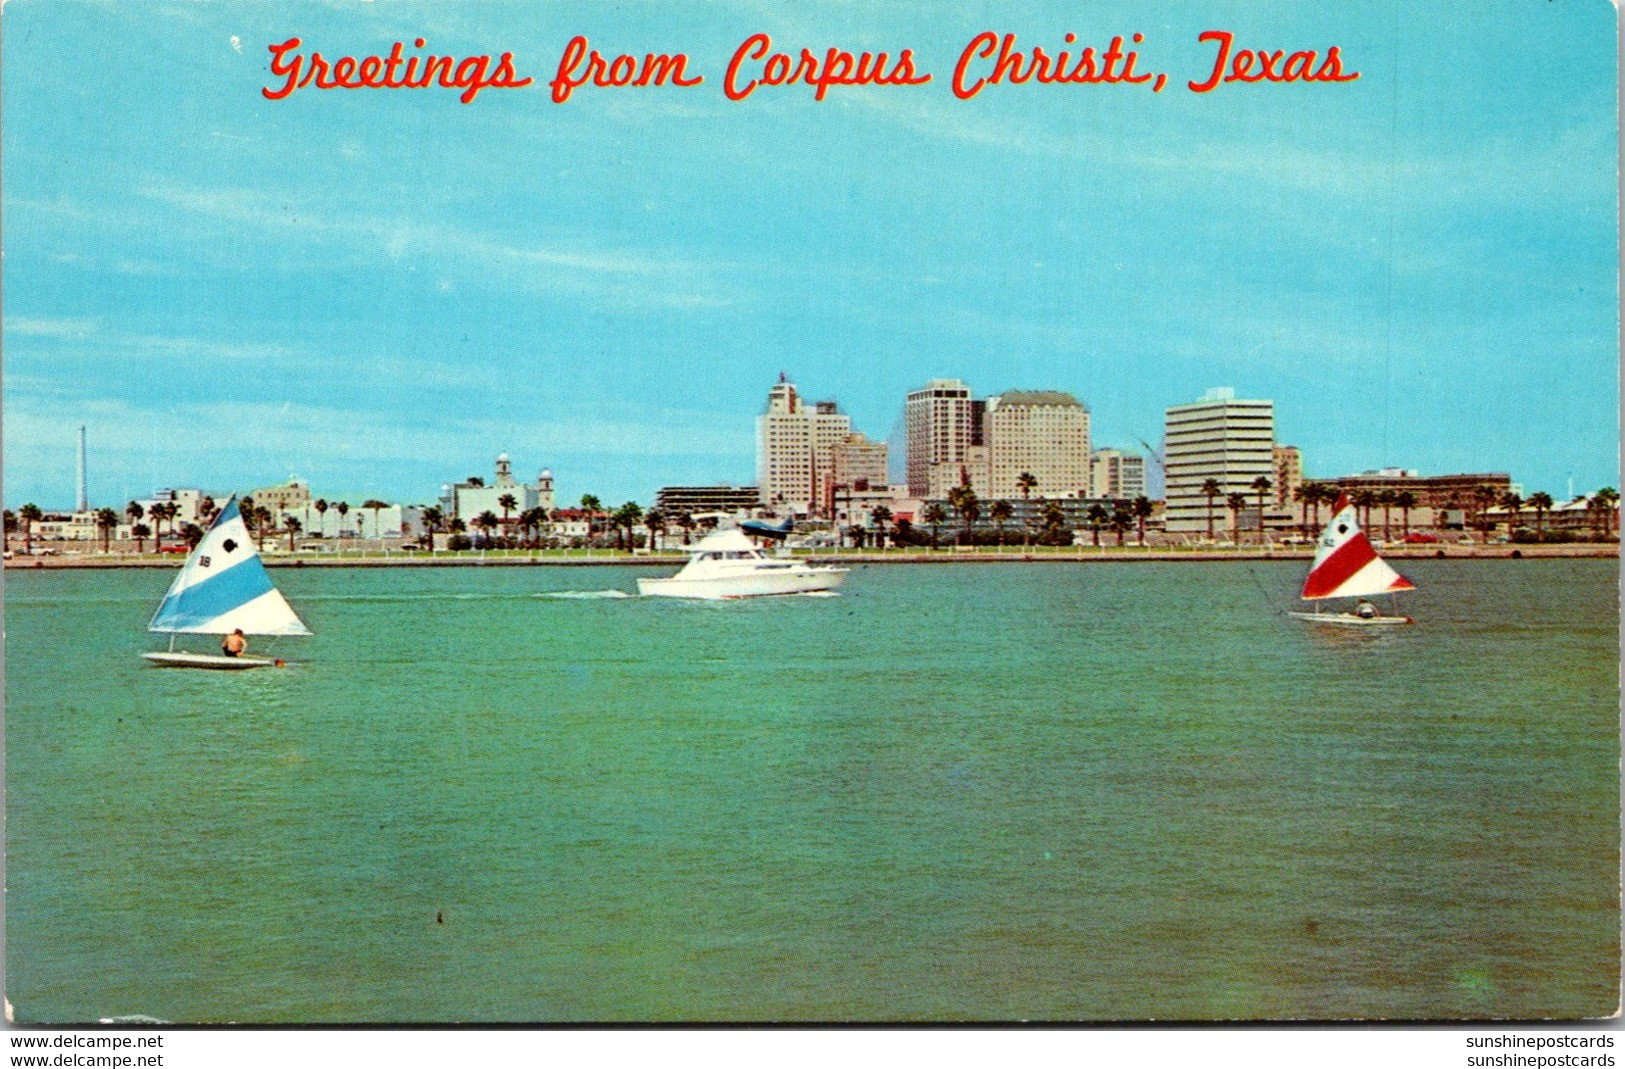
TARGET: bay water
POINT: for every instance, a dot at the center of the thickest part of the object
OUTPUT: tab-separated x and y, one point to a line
1049	792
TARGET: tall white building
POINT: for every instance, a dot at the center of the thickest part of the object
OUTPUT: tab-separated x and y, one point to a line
943	432
795	447
1116	475
1042	433
1221	438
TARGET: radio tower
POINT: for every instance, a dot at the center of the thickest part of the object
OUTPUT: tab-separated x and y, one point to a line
84	503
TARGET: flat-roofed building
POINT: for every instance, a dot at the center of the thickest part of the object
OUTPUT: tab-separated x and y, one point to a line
1221	438
943	428
672	501
1288	473
858	463
1043	433
1116	475
1431	491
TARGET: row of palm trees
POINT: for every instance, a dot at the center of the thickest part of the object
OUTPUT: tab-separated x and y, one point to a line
529	526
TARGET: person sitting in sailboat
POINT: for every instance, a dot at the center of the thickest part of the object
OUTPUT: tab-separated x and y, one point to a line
1365	610
234	644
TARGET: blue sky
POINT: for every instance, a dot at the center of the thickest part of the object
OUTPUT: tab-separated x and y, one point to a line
380	290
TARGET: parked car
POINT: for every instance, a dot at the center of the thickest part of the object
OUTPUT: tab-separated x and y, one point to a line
174	547
1421	538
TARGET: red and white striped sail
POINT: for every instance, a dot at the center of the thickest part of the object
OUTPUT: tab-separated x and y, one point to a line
1346	563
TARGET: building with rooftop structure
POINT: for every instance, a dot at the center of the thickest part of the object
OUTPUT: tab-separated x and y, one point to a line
467	500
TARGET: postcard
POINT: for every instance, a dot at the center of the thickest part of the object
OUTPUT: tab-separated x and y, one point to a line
826	513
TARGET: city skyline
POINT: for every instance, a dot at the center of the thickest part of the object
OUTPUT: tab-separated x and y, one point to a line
380	291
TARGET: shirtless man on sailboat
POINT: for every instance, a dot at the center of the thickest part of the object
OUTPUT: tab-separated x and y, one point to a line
234	644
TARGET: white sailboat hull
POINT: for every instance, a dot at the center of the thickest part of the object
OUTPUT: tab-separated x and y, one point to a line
753	584
183	659
1349	619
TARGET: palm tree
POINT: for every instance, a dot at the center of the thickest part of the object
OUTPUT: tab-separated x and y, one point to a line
934	516
591	506
262	526
1385	498
487	522
1054	517
140	532
343	508
1362	500
1484	497
969	508
1210	490
11	525
685	523
135	512
30	515
1097	517
1122	520
192	533
1512	503
1263	486
1404	500
1142	512
206	509
106	520
1000	512
628	516
321	516
1605	501
507	501
292	525
655	521
432	517
880	516
531	521
1237	502
1307	494
1540	502
1026	482
474	480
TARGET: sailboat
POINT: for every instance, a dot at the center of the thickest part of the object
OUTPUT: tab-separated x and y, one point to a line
222	588
1347	566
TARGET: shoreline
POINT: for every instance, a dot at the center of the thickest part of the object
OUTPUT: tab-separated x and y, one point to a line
1069	555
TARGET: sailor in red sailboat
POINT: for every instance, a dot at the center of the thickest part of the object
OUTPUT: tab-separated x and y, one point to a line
1347	566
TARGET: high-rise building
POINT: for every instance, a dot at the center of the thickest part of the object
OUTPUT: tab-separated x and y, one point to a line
943	428
1043	433
1288	473
1116	475
795	450
1221	438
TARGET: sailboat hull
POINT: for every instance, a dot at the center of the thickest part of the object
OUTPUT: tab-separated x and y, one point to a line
183	659
1349	619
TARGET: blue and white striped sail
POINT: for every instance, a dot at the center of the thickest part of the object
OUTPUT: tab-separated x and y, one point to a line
223	586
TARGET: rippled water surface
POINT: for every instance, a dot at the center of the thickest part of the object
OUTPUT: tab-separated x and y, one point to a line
975	792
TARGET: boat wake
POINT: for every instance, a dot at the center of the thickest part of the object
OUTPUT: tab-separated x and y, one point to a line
587	595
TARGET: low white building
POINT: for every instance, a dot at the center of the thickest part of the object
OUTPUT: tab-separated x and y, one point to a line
467	500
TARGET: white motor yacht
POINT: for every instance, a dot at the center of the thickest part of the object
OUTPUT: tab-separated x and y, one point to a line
729	565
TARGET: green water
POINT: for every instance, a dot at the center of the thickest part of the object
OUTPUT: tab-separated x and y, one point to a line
1048	792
